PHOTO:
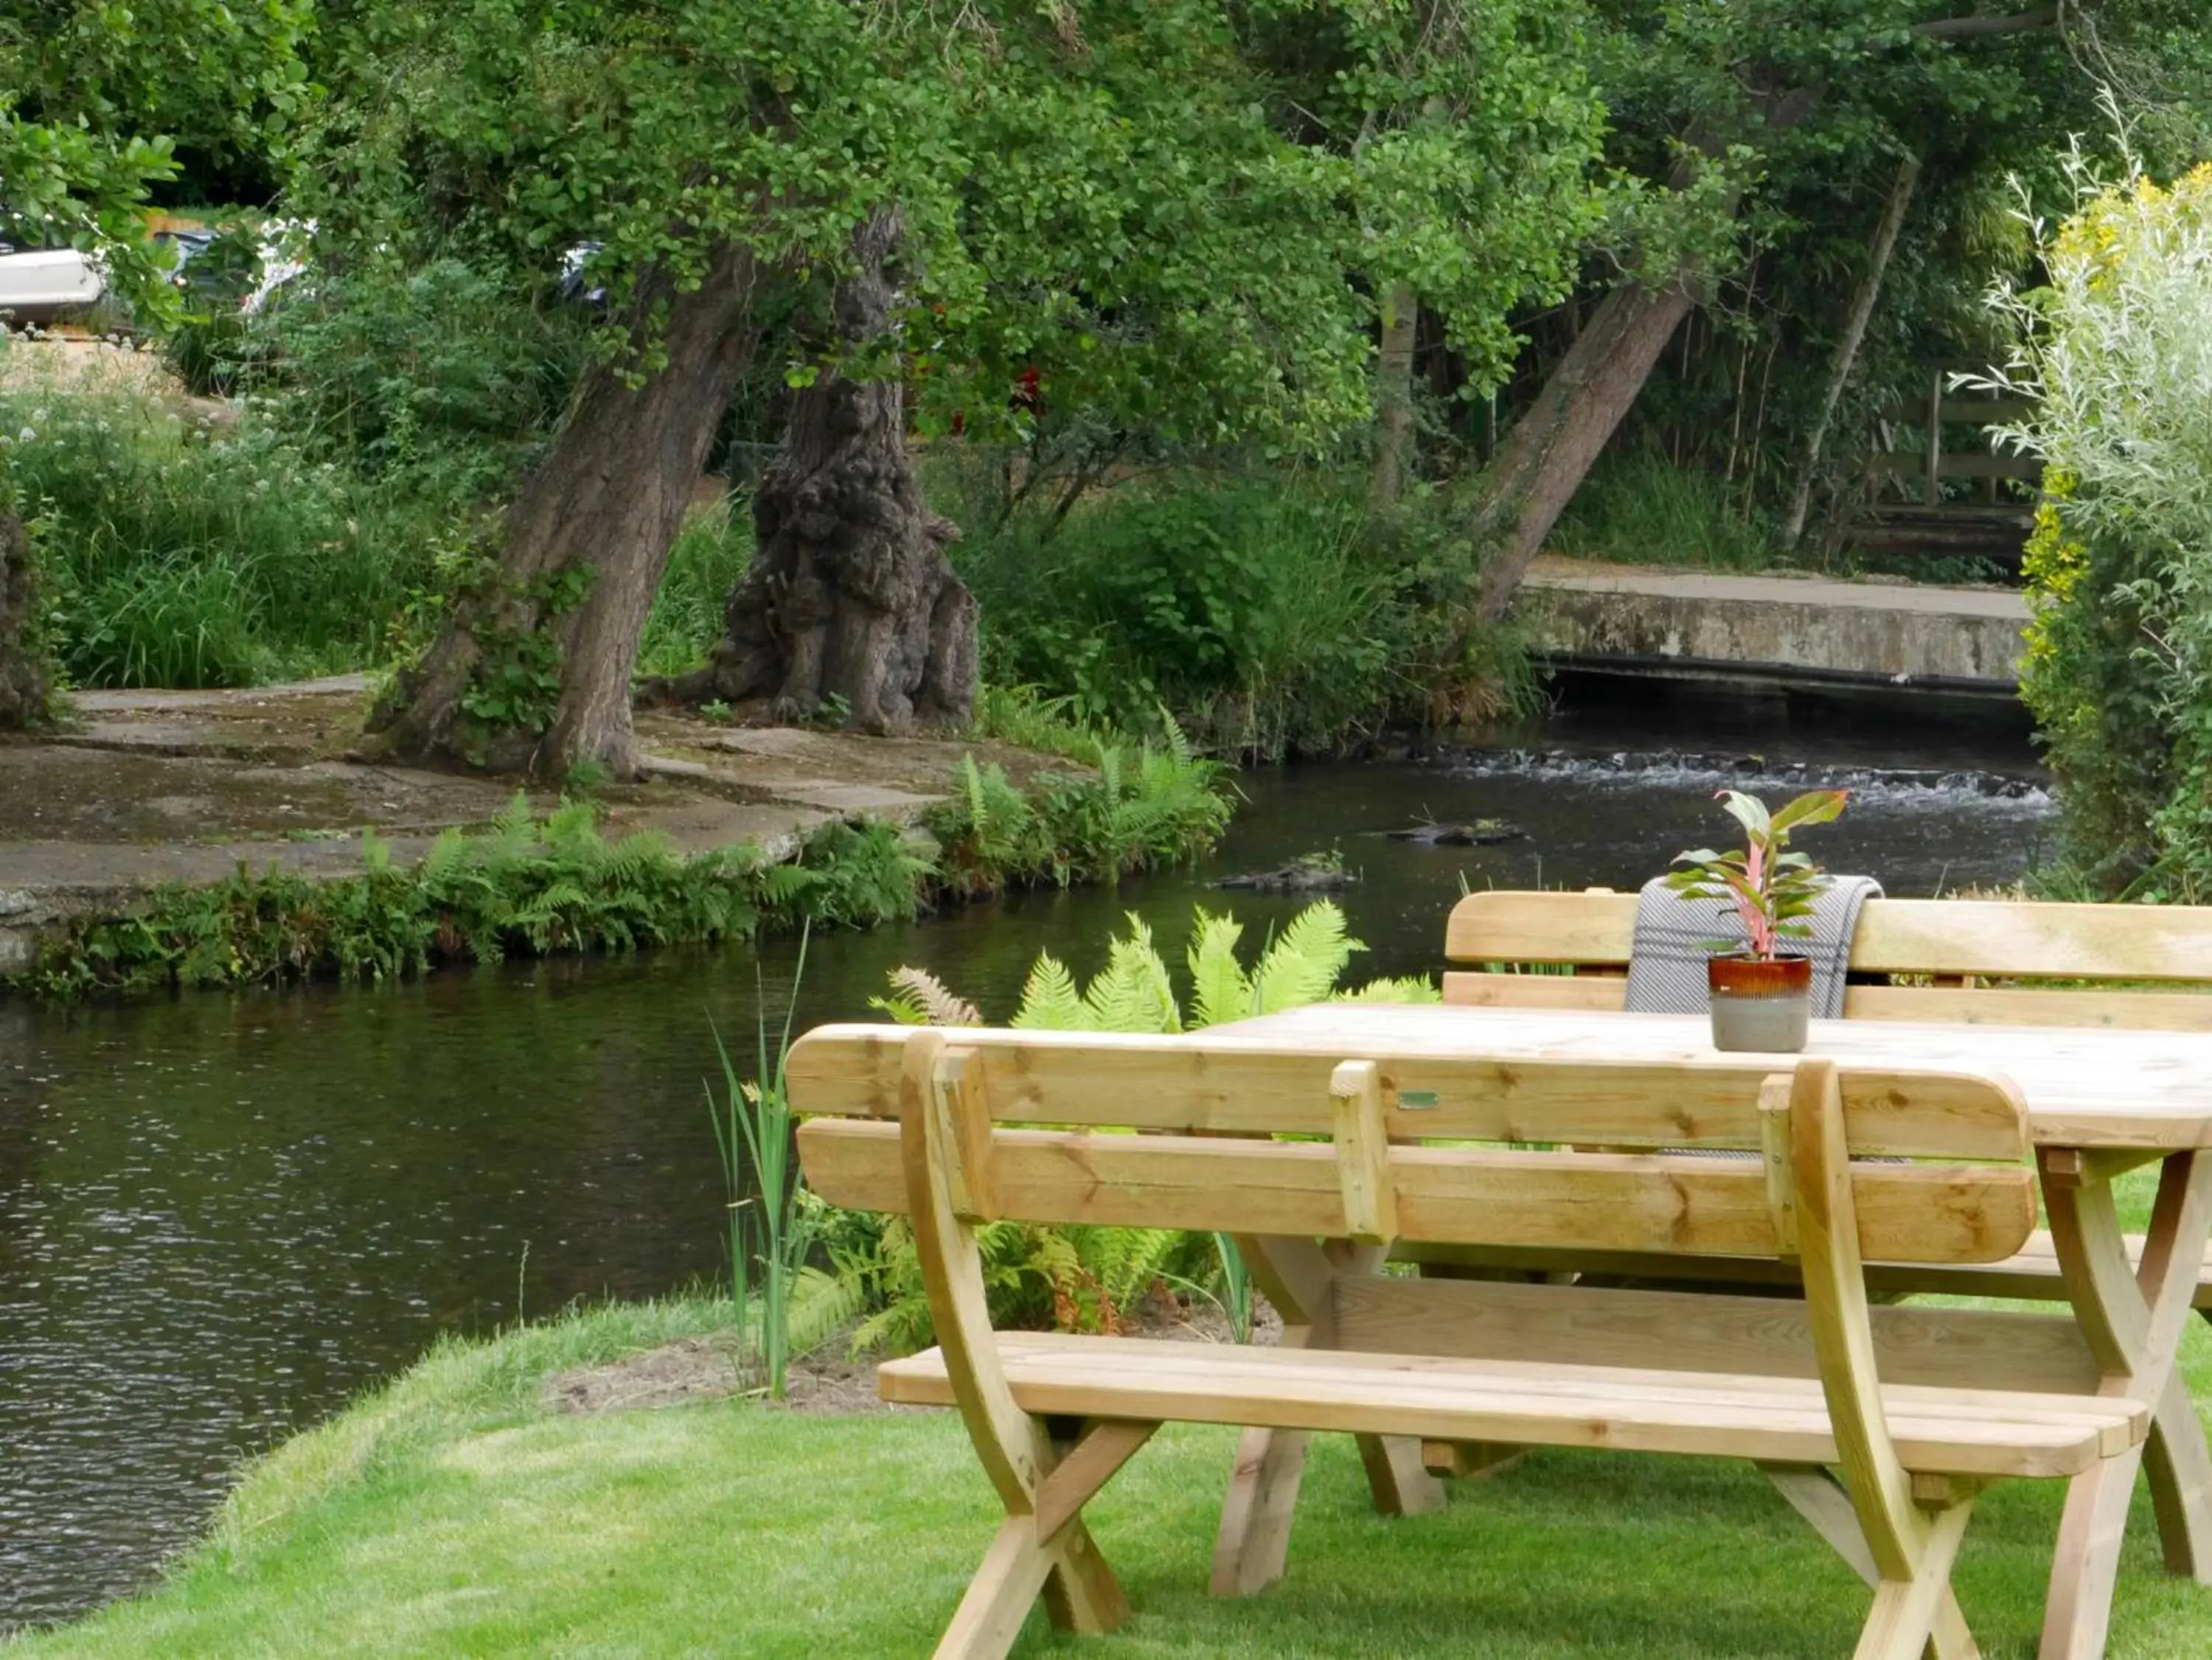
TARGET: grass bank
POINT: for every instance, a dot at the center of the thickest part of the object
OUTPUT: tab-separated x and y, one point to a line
452	1513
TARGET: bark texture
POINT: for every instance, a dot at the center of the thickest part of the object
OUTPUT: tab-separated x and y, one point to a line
23	682
1393	396
1847	347
850	594
604	503
1543	460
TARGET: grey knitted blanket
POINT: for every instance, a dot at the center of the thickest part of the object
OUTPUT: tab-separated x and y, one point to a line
1674	936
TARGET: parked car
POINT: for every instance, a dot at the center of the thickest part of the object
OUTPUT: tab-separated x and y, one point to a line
39	285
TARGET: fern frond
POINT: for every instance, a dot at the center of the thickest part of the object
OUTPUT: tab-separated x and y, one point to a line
1050	1002
819	1306
932	996
1219	989
1302	965
515	824
1133	992
1406	988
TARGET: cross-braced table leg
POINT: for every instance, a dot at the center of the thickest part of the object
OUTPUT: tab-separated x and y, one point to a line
1254	1543
2132	1319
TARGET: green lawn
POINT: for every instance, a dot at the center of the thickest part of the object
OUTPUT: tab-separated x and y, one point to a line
449	1515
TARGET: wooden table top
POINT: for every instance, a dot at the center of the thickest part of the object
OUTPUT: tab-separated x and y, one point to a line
2085	1088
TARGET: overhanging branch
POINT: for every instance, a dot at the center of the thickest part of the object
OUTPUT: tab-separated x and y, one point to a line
1974	28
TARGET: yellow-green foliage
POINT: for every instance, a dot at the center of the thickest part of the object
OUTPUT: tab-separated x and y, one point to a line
2117	349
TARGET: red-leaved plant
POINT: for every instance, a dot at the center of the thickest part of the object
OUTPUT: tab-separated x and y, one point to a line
1770	888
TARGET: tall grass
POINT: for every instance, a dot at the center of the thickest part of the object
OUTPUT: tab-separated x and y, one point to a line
708	560
769	1226
1638	507
1268	610
176	555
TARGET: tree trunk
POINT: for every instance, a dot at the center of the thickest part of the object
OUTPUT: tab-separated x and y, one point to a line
1537	470
1847	347
1393	397
23	685
849	596
533	669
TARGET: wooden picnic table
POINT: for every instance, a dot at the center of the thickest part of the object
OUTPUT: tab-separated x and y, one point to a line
2099	1103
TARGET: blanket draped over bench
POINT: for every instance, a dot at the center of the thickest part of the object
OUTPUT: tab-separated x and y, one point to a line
1674	936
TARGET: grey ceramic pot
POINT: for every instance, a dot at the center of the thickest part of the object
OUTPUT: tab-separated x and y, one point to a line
1762	1007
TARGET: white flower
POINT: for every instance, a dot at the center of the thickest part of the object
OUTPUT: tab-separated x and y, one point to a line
26	435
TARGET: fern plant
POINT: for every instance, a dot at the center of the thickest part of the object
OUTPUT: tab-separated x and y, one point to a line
1091	1278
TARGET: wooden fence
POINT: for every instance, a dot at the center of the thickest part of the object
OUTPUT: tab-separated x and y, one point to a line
1936	440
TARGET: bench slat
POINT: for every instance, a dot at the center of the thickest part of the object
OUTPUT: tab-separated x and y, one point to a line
1907	1213
1703	1331
1777	1419
2030	1275
1226	1084
1998	938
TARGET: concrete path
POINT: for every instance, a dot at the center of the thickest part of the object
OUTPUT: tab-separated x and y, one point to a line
1636	619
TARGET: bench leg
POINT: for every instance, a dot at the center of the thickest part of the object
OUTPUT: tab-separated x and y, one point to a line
2180	1470
1043	1546
2079	1612
1082	1595
1000	1597
1816	1495
2131	1315
1906	1610
1255	1541
1079	1589
1400	1480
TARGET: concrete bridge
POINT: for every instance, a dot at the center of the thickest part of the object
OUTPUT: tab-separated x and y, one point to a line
1772	630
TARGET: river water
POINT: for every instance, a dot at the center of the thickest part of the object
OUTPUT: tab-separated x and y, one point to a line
222	1216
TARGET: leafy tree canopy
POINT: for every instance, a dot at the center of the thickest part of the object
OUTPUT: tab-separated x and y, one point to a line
1138	202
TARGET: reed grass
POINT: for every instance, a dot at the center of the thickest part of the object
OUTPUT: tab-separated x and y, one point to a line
770	1225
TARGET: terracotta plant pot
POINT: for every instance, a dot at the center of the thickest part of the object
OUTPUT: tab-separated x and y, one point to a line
1764	1007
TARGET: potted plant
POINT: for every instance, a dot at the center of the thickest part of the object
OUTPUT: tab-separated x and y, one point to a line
1761	995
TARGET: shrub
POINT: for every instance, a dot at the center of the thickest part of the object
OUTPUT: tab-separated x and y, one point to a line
540	887
2117	349
440	374
1269	611
1637	506
1143	805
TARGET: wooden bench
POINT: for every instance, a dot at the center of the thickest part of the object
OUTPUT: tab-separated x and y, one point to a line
1881	1425
1945	951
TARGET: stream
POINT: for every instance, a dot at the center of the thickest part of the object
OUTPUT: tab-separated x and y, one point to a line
222	1216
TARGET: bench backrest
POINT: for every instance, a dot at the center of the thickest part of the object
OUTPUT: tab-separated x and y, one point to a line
1044	1127
1948	944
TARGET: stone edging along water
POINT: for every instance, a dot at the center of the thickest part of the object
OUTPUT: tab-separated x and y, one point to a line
228	838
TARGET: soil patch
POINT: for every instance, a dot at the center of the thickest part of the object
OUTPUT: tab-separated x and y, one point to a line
695	1369
681	1373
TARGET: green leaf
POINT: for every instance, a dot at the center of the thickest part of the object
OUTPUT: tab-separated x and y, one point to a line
1813	807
